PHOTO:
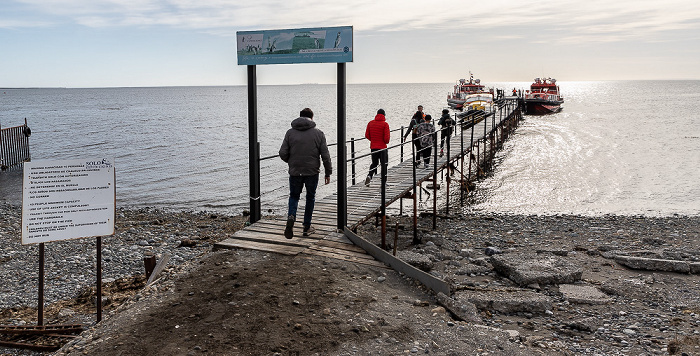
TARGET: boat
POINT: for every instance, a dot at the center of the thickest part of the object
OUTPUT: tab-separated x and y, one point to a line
543	97
470	95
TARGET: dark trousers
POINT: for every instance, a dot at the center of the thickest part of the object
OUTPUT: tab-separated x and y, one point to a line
379	155
416	144
425	153
445	136
296	185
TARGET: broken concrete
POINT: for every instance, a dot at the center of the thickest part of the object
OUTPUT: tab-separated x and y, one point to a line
422	262
508	302
583	294
653	264
527	269
461	309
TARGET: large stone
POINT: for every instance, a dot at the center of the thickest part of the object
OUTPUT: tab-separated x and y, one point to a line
422	262
461	309
653	264
527	269
507	301
583	294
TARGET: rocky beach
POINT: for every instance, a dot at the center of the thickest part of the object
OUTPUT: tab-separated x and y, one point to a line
554	285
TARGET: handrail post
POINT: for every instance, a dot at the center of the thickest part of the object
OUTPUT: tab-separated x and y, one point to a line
461	172
352	158
447	178
402	144
435	181
384	163
416	240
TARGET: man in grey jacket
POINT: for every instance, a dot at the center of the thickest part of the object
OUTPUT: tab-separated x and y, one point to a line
303	148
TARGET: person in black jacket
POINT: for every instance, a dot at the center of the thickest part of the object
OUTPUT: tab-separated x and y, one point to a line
303	148
447	124
416	120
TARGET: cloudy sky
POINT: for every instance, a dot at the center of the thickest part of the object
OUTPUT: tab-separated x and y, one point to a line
105	43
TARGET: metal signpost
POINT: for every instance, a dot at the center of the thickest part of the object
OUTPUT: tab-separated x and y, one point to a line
302	45
68	199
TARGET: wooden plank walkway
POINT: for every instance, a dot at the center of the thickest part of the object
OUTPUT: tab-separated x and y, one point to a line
363	203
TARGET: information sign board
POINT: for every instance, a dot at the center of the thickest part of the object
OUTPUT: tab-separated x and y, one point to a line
302	45
67	199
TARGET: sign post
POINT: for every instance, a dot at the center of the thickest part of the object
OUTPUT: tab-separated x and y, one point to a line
68	199
302	45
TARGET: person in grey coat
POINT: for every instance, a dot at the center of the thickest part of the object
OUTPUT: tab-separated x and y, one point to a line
303	148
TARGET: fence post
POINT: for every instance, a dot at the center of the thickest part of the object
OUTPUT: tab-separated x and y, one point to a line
352	157
416	240
402	143
435	181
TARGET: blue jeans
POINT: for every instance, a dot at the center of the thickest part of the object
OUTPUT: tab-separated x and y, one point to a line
296	184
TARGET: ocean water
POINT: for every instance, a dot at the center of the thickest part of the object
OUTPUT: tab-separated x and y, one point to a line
630	147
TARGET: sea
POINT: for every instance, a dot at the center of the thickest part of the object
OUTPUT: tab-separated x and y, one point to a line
617	147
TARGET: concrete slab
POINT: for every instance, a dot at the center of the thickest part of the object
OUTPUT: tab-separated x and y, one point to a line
654	264
507	301
583	294
527	269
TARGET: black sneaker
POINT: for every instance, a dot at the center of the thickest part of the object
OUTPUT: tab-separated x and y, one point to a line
367	180
289	229
309	230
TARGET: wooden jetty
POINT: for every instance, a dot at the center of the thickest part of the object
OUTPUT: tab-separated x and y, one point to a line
468	159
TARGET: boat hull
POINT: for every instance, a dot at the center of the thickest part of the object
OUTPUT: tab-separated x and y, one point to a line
542	107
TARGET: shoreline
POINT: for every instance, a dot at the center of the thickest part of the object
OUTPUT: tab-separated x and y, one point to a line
457	250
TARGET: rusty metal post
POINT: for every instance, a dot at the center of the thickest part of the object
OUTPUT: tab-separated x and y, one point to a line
435	181
149	264
396	237
416	240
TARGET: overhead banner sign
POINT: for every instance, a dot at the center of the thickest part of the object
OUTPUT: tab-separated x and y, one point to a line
302	45
67	199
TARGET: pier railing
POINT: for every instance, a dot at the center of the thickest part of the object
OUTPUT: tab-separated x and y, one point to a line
14	147
469	155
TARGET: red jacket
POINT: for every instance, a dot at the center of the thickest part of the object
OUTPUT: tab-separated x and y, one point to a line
377	132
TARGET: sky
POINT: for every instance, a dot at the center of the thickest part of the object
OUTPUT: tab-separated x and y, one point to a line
133	43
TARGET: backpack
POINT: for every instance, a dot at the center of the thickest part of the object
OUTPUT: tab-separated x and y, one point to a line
423	130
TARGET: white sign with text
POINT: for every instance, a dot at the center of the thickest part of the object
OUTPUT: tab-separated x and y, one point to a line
67	199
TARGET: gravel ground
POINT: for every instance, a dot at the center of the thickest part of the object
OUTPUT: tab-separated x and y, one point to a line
319	307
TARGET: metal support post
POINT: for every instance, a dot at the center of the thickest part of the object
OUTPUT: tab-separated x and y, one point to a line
342	150
253	146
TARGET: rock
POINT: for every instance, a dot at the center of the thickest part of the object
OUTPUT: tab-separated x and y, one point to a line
526	269
507	301
417	260
653	264
586	324
461	309
490	251
583	294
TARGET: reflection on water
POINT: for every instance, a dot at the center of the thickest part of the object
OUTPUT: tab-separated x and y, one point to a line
611	149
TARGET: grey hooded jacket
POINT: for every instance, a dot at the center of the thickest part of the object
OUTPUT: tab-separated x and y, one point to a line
303	148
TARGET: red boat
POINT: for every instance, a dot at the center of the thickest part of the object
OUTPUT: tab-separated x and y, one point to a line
472	93
543	97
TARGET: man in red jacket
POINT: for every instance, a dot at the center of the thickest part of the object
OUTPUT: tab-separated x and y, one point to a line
377	133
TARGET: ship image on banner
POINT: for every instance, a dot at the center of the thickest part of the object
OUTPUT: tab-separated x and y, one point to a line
304	45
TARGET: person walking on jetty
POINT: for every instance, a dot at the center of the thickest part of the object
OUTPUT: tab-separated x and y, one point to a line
303	148
447	124
426	132
416	120
378	134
